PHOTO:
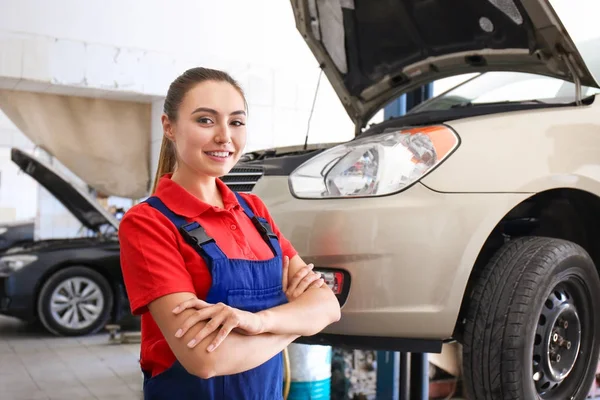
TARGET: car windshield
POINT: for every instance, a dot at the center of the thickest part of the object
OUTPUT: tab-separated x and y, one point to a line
494	87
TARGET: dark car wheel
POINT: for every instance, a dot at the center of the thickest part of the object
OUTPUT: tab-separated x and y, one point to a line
75	301
533	326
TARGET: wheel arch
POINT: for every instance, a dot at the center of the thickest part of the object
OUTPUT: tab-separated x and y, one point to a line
562	213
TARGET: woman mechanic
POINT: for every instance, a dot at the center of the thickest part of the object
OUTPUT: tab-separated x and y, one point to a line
221	292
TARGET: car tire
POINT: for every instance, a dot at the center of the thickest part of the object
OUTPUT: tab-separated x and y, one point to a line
532	329
80	291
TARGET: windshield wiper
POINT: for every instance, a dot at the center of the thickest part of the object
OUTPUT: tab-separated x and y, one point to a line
497	103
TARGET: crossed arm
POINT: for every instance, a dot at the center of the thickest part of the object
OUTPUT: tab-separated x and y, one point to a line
243	340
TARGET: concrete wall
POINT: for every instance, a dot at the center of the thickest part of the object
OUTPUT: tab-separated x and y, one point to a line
18	192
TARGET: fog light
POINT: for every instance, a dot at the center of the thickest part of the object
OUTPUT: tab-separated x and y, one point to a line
335	280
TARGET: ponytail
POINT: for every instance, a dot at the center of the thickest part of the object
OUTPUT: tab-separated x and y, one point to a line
166	161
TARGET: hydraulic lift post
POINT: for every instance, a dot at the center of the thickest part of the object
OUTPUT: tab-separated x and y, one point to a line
403	376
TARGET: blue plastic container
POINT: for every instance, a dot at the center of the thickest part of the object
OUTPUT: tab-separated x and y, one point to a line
310	372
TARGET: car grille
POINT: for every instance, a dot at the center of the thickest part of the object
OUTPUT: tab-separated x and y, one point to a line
243	179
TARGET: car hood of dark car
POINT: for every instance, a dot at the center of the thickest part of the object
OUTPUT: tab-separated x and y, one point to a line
91	214
374	51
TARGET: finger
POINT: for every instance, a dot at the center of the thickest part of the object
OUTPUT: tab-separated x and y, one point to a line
286	268
191	303
321	280
200	315
318	283
299	276
180	307
228	326
209	328
304	283
307	281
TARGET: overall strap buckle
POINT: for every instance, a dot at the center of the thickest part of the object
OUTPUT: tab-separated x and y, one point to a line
195	235
266	232
264	228
192	232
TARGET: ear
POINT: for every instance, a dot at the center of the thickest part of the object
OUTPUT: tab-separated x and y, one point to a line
167	127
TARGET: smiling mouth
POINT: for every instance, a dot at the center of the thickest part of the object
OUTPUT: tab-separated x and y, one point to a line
219	154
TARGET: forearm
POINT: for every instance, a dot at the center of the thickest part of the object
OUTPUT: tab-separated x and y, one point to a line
307	315
239	353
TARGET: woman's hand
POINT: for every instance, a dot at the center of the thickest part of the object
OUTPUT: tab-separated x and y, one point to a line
218	315
304	279
242	321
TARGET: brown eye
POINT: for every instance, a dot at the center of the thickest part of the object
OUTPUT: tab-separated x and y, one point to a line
204	120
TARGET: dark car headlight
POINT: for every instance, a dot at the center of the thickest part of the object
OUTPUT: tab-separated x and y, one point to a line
14	263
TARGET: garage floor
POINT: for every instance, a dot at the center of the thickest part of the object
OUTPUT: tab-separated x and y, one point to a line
35	365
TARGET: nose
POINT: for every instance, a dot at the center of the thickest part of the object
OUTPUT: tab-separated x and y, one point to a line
223	134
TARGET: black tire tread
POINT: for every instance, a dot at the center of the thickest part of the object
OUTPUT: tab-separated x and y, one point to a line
500	301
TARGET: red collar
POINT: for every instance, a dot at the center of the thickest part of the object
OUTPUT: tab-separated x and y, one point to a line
183	203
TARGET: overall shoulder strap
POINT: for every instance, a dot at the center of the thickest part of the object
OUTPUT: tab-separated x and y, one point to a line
157	203
262	225
193	233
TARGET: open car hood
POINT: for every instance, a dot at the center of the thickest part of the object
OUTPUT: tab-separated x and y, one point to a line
374	51
76	200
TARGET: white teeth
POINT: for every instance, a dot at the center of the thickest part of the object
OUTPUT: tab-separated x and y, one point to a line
218	153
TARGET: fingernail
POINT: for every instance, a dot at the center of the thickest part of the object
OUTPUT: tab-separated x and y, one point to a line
176	309
310	266
192	343
178	333
211	347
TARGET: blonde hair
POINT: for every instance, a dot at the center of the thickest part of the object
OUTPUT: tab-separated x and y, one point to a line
167	158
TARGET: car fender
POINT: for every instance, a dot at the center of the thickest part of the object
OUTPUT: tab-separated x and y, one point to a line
524	151
502	205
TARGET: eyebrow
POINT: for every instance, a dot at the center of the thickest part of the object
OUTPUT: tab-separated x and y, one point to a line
214	112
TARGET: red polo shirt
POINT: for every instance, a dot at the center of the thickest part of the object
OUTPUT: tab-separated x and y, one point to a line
156	260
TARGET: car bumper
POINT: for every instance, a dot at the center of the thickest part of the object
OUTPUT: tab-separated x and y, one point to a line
408	255
15	302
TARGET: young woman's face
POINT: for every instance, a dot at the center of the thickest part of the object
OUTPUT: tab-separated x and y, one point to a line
210	132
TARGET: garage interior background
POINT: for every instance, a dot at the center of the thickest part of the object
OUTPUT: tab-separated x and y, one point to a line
130	51
54	63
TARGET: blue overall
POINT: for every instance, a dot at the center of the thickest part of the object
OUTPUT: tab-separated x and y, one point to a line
248	285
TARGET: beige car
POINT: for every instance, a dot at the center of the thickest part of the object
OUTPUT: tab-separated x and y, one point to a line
475	217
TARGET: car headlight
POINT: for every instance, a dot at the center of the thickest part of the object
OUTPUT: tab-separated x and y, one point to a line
375	165
16	262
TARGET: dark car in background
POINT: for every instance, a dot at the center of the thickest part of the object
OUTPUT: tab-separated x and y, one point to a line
16	233
73	286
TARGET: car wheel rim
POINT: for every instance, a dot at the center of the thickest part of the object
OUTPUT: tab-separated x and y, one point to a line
557	341
76	303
